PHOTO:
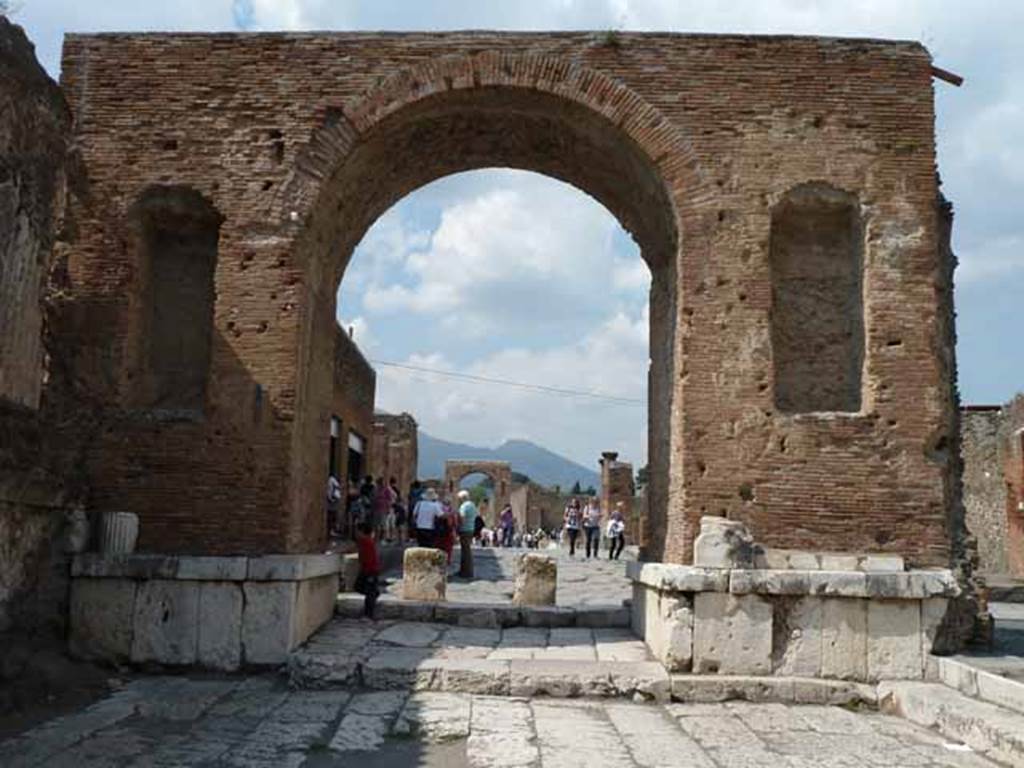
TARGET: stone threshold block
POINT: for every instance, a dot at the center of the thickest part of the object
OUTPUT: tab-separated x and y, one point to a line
536	579
219	613
486	615
424	574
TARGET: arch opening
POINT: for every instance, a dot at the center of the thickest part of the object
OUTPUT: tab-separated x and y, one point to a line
493	127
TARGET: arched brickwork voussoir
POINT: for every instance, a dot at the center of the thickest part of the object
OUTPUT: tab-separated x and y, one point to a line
658	139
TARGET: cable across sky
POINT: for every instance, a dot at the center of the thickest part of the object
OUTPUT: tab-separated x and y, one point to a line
543	388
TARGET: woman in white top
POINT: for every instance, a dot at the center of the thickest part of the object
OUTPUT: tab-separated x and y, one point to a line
428	509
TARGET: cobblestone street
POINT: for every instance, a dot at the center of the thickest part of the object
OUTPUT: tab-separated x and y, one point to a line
581	581
258	721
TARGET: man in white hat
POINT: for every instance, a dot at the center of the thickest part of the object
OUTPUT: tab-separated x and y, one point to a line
467	529
427	510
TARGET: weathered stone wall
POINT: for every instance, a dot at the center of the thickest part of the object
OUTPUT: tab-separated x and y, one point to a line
1011	454
301	141
617	486
39	435
984	485
394	448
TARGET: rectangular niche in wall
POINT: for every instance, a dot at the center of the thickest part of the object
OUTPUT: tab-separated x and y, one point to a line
817	315
176	231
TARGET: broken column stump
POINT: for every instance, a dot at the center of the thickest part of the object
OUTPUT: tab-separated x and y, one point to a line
424	574
536	579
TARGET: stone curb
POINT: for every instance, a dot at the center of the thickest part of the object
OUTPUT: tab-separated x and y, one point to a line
787	690
408	669
978	683
995	732
486	615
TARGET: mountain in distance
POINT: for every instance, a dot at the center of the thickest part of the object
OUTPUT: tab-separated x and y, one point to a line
539	464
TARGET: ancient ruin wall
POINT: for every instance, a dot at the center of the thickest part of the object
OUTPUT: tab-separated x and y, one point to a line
984	485
394	448
37	458
355	385
300	141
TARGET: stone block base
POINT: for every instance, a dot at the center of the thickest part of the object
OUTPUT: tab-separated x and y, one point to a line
424	574
536	580
215	612
862	626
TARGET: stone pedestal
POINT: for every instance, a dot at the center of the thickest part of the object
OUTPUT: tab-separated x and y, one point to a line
424	574
215	612
536	580
858	625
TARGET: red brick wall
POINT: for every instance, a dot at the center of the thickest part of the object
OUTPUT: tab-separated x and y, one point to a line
300	141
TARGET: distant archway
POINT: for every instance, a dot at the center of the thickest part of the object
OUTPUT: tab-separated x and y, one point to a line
500	473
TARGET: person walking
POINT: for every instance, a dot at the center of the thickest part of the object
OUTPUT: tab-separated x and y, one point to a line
592	526
617	532
425	515
368	581
508	526
571	521
468	517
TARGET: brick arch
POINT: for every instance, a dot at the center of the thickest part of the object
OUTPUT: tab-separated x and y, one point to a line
659	138
500	472
539	113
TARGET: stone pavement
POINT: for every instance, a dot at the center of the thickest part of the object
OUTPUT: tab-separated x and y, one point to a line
521	661
258	721
581	582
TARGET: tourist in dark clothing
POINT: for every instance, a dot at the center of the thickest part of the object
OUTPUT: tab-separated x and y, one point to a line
572	520
369	568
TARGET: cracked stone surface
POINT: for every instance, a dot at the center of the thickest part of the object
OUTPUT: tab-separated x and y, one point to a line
259	721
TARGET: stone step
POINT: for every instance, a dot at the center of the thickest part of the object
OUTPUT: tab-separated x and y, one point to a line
967	676
776	688
994	731
486	615
417	669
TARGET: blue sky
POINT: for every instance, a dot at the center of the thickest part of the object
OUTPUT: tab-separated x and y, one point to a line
447	267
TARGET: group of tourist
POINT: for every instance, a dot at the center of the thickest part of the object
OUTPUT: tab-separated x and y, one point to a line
587	518
375	511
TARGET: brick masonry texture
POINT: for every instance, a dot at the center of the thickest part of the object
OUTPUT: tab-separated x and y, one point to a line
355	384
301	140
394	449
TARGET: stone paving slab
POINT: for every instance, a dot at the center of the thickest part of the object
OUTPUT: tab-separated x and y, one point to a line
258	721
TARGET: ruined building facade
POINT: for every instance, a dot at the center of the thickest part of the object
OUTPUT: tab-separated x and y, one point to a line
993	453
394	448
782	190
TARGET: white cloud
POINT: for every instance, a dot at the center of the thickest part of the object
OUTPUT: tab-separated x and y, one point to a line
991	260
611	360
498	257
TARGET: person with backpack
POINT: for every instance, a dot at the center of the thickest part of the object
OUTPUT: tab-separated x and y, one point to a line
571	522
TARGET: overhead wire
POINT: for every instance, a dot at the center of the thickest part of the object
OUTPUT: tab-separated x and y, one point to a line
542	388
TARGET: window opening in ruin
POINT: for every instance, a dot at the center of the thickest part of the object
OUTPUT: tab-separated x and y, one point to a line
176	232
332	455
817	315
356	456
